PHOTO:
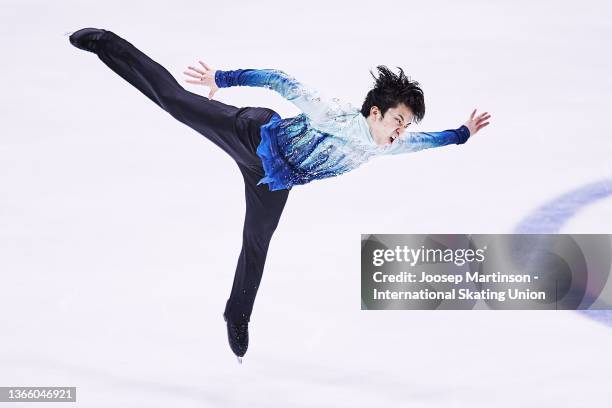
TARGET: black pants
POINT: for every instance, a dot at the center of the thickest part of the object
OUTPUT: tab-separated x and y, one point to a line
237	132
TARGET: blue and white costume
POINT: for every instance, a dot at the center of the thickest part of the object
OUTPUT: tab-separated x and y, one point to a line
329	138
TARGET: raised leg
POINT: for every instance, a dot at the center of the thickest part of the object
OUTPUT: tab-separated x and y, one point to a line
213	119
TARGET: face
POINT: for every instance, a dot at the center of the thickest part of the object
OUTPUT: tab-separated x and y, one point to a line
385	129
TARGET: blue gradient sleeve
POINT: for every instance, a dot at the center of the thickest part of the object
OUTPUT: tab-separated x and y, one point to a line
415	141
307	100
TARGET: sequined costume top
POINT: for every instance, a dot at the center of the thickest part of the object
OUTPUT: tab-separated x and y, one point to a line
329	138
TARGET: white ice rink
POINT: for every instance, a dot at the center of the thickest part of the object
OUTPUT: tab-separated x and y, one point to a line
120	227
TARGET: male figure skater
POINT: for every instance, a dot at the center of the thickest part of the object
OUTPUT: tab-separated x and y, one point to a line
273	154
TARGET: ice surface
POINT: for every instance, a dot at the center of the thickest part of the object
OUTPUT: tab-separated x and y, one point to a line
118	248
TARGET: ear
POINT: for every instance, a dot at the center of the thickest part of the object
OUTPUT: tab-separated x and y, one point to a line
374	111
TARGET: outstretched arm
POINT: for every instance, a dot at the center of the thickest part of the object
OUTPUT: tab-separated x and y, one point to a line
415	141
306	99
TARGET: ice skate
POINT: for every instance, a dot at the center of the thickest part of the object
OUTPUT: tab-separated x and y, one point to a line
86	38
238	337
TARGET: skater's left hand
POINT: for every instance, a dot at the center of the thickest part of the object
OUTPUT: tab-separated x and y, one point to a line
474	124
205	76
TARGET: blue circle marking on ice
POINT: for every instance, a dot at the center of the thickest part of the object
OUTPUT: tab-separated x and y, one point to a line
552	216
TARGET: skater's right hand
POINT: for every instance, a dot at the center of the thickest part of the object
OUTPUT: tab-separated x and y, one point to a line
204	77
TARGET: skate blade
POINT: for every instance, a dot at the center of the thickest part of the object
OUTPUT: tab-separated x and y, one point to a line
239	360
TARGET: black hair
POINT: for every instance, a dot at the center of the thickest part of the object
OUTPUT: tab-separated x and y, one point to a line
390	90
